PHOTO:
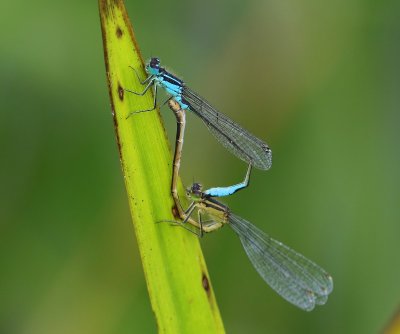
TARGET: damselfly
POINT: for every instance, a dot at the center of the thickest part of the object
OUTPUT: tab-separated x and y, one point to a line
296	278
232	136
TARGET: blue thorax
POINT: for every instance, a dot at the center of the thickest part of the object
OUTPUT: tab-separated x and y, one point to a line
172	84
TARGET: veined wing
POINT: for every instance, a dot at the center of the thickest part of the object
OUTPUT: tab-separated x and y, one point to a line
296	278
231	135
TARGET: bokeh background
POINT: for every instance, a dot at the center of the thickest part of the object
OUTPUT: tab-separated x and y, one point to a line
319	81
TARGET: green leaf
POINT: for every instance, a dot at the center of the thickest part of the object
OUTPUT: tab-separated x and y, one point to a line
177	279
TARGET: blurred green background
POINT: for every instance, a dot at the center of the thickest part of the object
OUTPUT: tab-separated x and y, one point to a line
319	81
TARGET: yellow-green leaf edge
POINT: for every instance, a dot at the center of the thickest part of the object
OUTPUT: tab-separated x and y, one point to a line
177	279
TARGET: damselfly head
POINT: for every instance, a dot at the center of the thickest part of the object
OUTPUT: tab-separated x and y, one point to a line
194	191
153	66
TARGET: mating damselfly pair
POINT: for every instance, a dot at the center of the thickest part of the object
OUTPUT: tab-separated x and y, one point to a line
296	278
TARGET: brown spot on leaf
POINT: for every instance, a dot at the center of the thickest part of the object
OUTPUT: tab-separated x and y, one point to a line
116	131
120	92
205	283
119	32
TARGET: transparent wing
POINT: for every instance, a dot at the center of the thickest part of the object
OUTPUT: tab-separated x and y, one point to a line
296	278
231	135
